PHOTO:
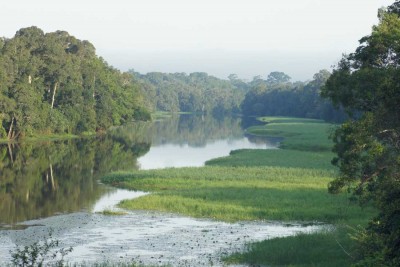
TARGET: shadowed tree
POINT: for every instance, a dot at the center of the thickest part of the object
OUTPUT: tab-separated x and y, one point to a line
368	148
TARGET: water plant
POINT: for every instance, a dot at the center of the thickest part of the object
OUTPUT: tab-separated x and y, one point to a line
40	253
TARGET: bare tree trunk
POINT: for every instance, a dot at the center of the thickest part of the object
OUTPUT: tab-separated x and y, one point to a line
54	94
10	131
94	86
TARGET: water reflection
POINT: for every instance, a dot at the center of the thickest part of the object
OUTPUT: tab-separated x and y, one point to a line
43	179
39	180
192	140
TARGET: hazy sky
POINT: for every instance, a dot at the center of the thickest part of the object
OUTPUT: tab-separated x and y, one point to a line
248	37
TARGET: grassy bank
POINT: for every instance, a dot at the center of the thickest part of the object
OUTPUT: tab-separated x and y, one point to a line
238	193
325	249
289	184
299	134
286	158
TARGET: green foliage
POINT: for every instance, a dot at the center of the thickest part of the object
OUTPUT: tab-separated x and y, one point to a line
40	253
55	83
277	96
368	152
197	92
142	114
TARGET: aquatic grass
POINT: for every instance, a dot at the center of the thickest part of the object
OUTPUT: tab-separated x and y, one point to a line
220	176
276	157
298	136
278	119
244	193
289	184
324	249
260	204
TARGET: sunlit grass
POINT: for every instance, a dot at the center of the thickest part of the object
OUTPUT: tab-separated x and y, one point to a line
234	194
278	158
298	135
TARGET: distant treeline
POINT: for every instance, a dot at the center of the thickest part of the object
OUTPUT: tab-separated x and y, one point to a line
196	92
55	83
275	96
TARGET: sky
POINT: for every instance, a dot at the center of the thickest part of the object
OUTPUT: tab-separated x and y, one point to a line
220	37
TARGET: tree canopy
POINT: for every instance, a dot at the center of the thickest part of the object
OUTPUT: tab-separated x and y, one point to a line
367	82
55	83
194	92
277	96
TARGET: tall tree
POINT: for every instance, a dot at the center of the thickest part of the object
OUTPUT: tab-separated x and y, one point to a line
276	77
367	82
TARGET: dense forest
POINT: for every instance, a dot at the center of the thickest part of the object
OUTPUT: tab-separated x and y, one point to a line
55	83
202	93
196	92
278	96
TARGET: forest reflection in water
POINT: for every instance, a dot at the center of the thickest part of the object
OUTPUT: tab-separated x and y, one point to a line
38	180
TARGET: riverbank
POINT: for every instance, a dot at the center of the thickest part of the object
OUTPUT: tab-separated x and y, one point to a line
288	185
38	138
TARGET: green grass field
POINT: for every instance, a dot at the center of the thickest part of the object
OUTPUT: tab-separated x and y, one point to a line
288	184
239	193
299	134
278	158
323	249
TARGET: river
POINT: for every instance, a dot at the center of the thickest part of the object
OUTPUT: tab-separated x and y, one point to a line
54	185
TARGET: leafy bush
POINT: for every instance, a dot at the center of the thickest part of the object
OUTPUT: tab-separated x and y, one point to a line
36	254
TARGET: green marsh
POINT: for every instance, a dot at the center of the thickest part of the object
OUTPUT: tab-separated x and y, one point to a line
287	184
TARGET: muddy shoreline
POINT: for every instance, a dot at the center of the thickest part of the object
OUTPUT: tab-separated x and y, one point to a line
148	238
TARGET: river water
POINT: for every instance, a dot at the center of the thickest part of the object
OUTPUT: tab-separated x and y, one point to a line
54	185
